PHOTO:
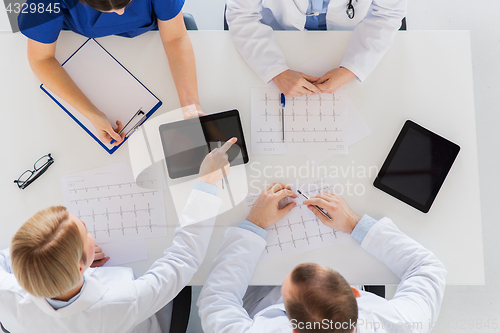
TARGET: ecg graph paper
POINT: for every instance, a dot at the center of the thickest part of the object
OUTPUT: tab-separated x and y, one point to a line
300	230
313	124
115	207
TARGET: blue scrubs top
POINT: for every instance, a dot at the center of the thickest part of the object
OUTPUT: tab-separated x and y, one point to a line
139	16
317	22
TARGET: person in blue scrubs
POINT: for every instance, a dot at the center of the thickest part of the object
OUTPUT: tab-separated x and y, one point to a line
99	18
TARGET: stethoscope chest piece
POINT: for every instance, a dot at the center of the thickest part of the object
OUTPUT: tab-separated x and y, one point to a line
350	10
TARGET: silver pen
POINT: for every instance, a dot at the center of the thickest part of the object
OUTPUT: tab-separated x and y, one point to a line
138	113
321	210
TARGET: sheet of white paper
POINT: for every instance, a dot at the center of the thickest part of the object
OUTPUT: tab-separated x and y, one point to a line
299	230
357	130
115	207
313	124
120	253
107	84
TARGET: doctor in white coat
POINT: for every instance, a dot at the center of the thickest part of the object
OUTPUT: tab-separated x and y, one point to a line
251	24
414	307
105	299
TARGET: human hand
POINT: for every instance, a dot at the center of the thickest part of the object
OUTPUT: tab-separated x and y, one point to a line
99	258
295	84
334	79
105	132
343	218
265	211
214	162
192	111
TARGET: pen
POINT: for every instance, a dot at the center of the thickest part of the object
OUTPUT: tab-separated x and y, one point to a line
223	173
321	210
283	115
138	113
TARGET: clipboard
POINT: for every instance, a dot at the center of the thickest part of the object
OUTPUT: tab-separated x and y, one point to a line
110	87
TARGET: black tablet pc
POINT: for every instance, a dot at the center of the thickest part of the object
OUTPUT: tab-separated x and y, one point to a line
417	166
187	142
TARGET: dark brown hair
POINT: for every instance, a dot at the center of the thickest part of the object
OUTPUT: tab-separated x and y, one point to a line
106	5
321	295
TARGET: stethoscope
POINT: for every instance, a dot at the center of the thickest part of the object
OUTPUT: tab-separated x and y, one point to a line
350	9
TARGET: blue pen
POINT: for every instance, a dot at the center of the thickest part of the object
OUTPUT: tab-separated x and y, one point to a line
283	115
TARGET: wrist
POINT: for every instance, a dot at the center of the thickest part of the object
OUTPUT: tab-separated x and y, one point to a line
94	114
278	76
188	101
352	222
208	180
247	225
255	220
347	74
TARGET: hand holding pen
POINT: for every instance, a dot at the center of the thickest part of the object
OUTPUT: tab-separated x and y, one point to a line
333	211
215	166
121	128
321	210
105	131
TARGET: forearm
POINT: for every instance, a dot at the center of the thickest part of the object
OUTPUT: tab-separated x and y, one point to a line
420	292
53	76
254	40
373	37
169	274
220	303
183	67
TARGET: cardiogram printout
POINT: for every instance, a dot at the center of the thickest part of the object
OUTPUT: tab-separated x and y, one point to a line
312	124
113	206
300	230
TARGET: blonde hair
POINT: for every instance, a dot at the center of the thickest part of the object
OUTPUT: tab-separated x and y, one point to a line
46	251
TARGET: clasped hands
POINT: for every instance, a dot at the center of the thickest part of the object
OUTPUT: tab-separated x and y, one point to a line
295	84
265	211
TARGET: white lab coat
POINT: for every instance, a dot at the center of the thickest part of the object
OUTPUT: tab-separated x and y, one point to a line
113	300
417	299
251	24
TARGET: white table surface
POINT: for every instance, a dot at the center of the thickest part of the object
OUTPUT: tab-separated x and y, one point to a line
425	76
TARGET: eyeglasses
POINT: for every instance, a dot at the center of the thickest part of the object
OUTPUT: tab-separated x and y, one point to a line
29	176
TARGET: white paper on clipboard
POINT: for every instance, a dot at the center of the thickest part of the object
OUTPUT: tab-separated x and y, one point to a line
108	85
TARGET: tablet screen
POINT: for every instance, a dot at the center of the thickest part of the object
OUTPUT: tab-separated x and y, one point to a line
417	166
187	142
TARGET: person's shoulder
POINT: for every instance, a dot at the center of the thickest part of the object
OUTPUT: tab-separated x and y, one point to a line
117	281
271	319
166	10
37	13
10	285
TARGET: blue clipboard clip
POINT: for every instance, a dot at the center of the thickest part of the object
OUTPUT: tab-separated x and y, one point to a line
134	128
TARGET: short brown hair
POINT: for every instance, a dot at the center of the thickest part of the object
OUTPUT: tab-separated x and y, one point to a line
106	5
45	253
321	294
